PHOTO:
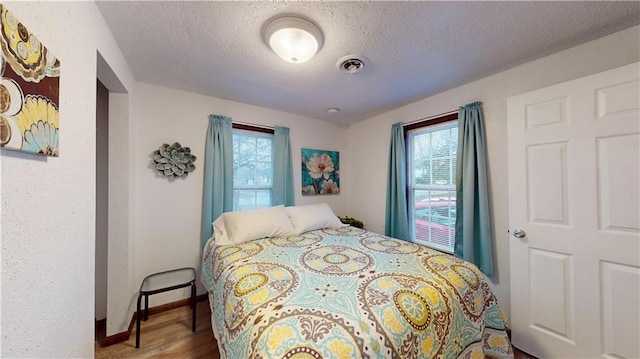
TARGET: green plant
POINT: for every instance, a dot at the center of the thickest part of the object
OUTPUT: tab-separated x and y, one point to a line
352	222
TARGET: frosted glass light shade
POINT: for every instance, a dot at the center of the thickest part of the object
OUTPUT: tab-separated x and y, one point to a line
294	39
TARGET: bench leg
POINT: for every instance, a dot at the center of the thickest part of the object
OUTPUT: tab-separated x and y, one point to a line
138	315
146	307
193	305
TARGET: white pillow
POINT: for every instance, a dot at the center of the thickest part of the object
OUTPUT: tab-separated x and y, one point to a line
312	217
242	226
219	232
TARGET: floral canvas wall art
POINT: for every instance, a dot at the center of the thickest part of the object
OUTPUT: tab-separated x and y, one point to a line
320	172
29	90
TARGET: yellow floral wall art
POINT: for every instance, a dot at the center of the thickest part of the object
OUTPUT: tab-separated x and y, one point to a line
29	90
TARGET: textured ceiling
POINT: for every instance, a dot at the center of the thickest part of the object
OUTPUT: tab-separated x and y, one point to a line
414	49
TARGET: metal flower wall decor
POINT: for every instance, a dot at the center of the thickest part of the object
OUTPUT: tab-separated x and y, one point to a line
174	160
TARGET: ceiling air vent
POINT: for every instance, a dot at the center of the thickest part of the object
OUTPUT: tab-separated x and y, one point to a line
351	64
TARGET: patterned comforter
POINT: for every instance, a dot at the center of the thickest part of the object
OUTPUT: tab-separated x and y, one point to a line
349	293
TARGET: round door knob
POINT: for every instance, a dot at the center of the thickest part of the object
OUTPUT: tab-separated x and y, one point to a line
519	233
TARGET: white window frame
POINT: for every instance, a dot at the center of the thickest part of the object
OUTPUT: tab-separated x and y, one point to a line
252	187
413	187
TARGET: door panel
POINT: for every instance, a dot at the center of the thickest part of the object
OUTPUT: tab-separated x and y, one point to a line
551	291
546	114
619	100
574	188
620	313
547	190
618	176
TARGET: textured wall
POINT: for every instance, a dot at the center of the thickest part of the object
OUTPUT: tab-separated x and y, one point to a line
121	267
48	204
369	139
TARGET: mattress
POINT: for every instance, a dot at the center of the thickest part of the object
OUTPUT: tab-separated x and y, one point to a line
349	293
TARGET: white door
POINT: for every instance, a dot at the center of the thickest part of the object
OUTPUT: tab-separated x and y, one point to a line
574	190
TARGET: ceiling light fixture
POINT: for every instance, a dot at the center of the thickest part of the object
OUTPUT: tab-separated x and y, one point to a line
294	39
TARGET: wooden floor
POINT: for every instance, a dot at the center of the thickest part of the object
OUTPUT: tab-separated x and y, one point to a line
168	335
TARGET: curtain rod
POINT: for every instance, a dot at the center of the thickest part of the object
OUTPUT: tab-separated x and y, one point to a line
253	125
430	117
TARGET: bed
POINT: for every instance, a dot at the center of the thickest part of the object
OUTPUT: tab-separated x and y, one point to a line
342	292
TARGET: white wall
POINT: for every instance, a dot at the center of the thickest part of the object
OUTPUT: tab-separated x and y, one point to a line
48	204
368	140
168	213
121	256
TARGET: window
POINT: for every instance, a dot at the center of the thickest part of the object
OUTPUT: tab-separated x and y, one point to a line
252	167
431	165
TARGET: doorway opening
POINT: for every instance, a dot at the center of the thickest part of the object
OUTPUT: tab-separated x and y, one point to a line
102	209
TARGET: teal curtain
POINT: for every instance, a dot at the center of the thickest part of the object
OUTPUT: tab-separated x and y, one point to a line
282	186
396	222
218	174
473	219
